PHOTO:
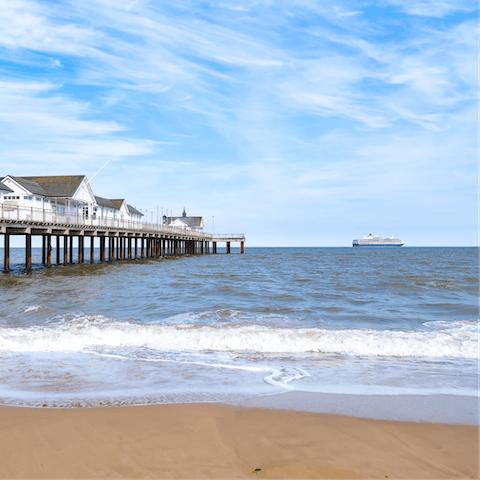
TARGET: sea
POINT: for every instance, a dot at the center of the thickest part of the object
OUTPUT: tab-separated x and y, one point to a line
377	332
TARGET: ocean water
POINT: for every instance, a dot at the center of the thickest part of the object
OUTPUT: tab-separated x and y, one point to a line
226	328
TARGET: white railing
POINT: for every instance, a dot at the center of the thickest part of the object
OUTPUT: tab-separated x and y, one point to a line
74	219
238	236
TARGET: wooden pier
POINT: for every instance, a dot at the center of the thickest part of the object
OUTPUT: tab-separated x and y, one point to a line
118	240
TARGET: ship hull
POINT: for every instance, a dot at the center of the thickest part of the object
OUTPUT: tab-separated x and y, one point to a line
378	245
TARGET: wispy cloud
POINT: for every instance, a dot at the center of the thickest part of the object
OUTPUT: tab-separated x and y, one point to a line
294	106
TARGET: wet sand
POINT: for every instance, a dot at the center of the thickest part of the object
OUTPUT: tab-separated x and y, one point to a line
217	441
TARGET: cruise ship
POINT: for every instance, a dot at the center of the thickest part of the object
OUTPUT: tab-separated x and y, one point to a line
375	241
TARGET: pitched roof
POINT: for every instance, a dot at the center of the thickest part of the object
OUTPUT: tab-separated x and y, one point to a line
4	187
55	186
105	202
117	203
30	185
134	211
190	221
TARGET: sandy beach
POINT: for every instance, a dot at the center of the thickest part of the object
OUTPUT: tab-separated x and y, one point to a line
217	441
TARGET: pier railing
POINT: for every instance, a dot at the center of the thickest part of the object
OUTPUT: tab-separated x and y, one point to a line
31	215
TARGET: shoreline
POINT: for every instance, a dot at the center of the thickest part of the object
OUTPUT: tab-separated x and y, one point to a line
222	441
430	408
427	408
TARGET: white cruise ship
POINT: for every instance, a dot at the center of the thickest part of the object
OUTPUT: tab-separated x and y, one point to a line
375	241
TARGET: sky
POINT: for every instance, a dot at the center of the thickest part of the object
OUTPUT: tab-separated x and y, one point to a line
298	123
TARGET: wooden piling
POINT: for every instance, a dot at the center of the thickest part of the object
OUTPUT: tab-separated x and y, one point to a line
6	253
102	249
92	249
44	250
57	249
65	250
242	247
49	251
28	252
70	253
80	249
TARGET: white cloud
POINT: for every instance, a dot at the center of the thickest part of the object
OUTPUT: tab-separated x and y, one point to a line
435	8
293	106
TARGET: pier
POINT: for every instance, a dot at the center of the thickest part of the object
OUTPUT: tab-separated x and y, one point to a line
118	239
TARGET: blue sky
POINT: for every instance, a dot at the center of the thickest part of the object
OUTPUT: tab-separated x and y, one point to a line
298	123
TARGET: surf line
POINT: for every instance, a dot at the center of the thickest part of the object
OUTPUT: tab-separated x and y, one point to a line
273	379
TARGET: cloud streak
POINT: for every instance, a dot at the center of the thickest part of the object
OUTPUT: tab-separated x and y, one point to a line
301	106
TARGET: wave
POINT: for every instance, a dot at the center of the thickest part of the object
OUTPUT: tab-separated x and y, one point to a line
457	340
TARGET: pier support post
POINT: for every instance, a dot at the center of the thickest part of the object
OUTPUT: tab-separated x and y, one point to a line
71	249
163	246
214	247
242	247
110	249
65	250
129	241
136	248
121	240
28	252
49	251
92	249
143	247
80	249
6	253
102	249
228	247
57	249
207	248
44	250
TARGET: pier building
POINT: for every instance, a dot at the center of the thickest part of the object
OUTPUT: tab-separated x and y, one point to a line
185	222
62	208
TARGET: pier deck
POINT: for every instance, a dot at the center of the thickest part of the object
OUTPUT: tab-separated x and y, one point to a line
127	240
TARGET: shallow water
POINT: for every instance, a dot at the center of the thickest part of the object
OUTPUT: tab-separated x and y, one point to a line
230	327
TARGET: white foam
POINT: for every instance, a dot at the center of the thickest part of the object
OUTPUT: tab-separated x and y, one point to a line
87	332
35	308
279	377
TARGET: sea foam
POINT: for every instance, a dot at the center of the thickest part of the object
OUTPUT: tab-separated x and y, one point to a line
459	340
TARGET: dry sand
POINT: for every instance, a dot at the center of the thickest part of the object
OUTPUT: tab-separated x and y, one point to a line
216	441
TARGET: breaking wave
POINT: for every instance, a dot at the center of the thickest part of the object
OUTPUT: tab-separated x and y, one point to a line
441	339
